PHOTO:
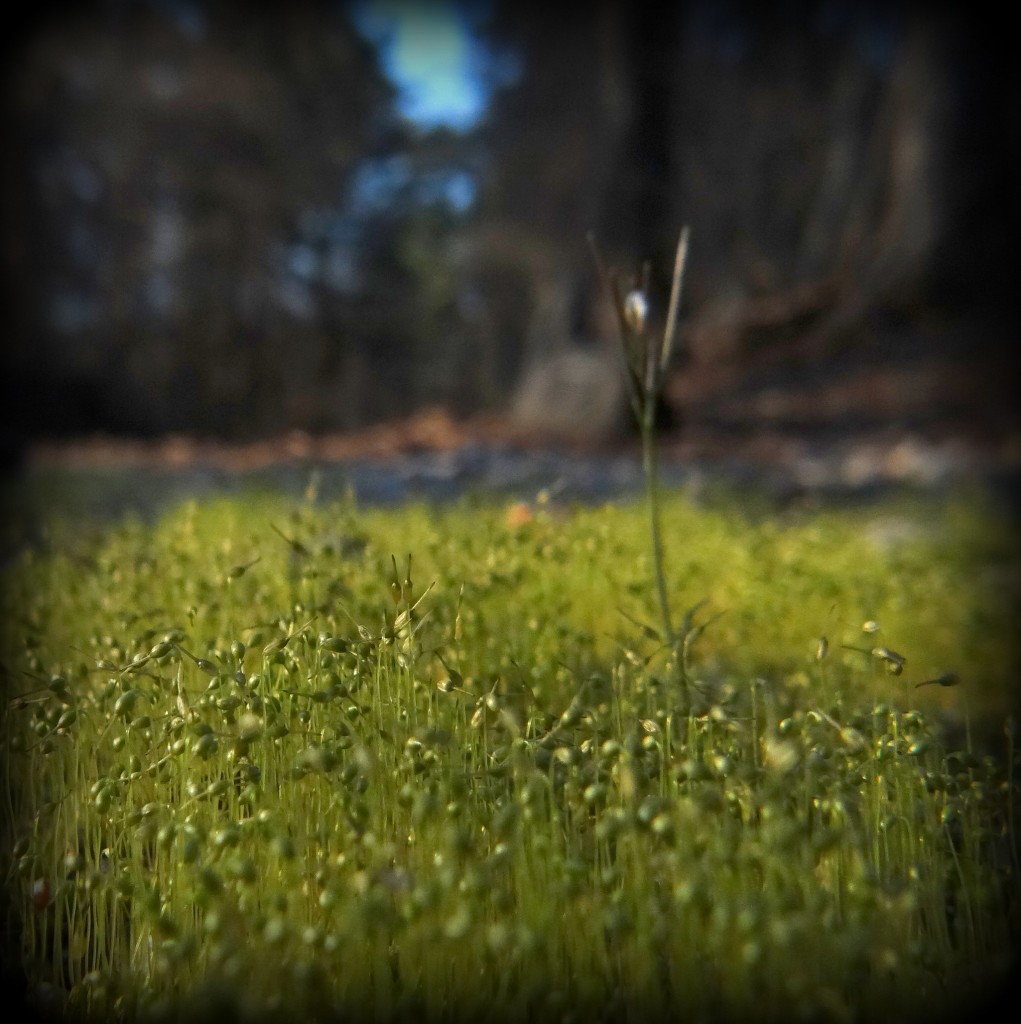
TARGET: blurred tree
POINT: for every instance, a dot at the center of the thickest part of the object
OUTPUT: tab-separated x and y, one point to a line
823	156
556	143
825	166
217	222
171	185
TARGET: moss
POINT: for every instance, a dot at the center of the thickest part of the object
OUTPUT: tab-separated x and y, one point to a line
256	753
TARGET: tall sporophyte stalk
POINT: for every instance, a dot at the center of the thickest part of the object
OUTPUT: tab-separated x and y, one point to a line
645	358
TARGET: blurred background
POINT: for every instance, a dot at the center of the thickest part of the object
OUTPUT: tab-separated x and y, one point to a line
235	221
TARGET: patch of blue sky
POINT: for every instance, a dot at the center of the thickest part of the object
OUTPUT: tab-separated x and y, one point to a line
443	73
376	183
459	190
379	184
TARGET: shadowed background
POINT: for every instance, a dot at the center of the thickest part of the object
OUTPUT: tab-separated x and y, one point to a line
234	222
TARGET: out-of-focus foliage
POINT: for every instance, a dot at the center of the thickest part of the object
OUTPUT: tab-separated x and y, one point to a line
191	242
217	222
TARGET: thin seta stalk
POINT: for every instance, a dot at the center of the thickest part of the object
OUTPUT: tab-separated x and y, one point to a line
645	360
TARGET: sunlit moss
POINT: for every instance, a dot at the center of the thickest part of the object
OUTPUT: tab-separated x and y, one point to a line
257	753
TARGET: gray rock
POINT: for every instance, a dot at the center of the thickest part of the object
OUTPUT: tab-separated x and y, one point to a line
573	395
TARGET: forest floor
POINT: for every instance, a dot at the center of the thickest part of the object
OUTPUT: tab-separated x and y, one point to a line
786	463
790	414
